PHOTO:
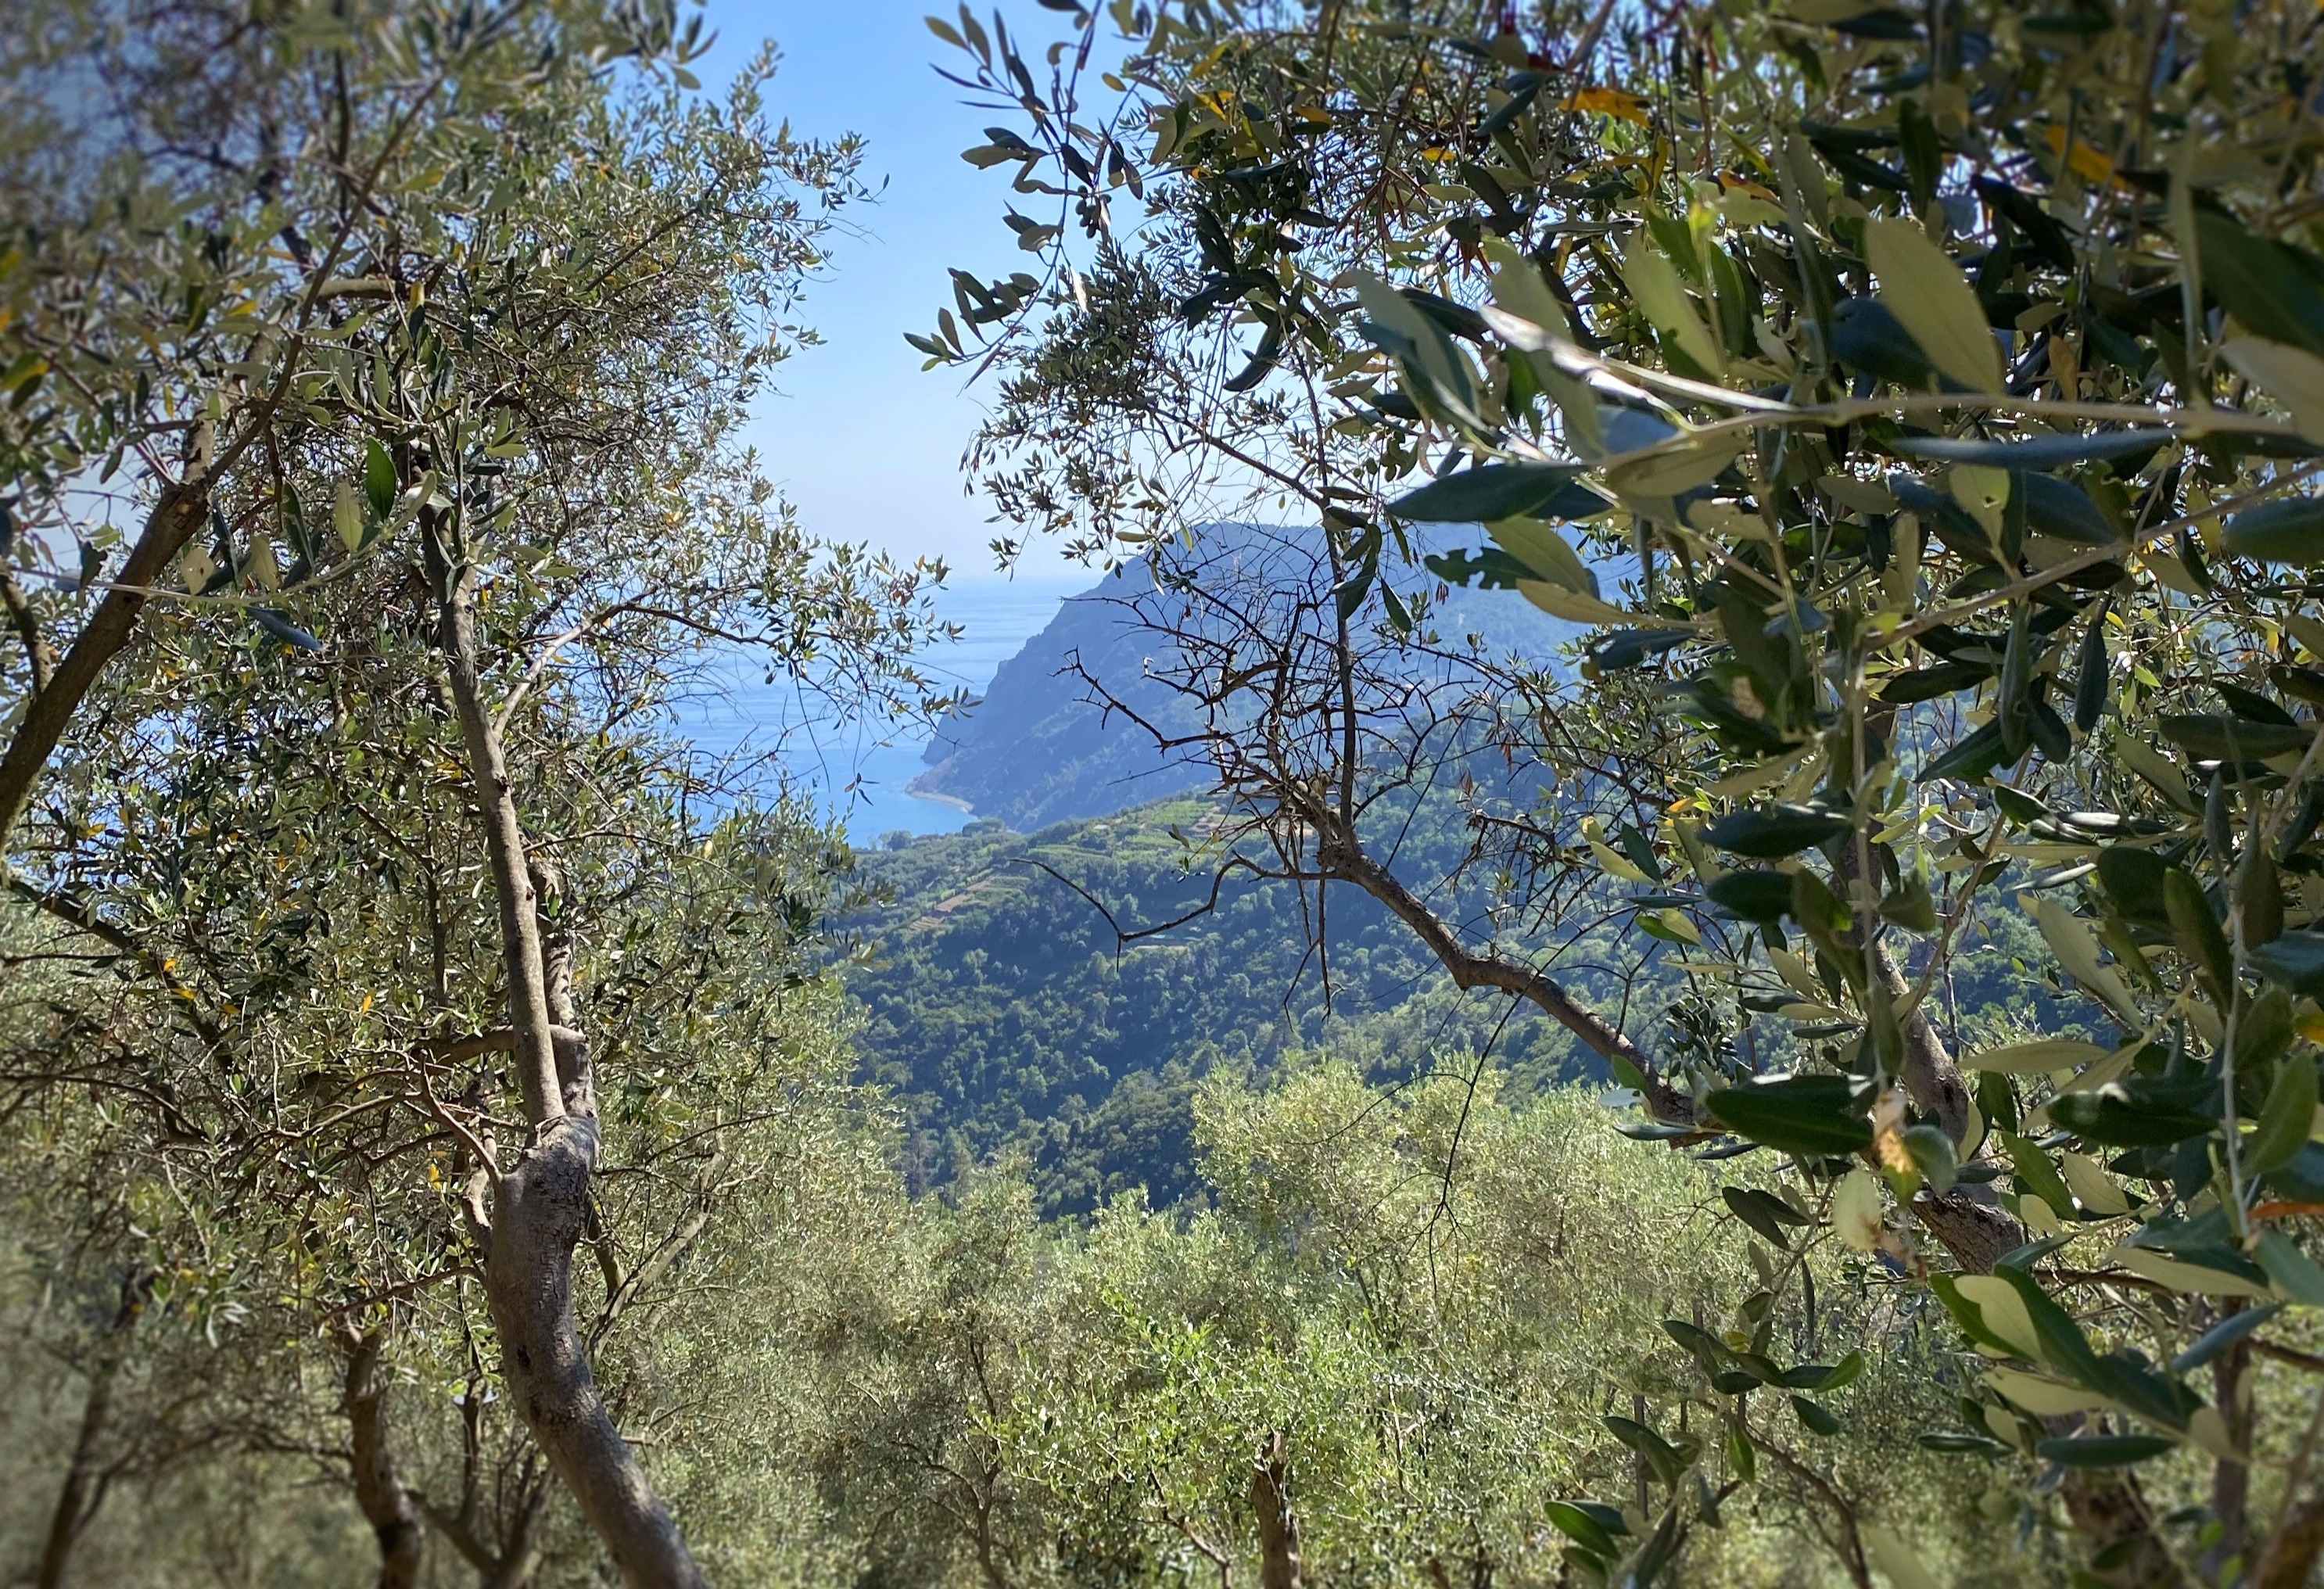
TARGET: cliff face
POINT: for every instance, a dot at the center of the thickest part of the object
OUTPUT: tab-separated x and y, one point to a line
1036	749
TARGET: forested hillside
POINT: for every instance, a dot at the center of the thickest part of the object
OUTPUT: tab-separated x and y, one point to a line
1003	1016
1005	1021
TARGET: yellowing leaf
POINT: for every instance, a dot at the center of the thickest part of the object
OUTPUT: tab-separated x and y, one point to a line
2208	1430
1983	492
346	518
2169	571
260	564
1794	971
1444	368
197	567
1616	102
2105	1069
1856	1210
1543	550
2003	1312
1861	496
2042	1397
2089	162
1519	287
1613	862
1933	300
2204	1017
1675	921
1669	473
2092	1187
2306	631
1898	1562
1520	290
2077	949
2194	1279
1753	779
2156	769
1742	211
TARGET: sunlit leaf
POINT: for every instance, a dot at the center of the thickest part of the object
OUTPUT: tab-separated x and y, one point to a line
1932	300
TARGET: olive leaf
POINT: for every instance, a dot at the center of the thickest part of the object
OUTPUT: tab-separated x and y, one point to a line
1933	302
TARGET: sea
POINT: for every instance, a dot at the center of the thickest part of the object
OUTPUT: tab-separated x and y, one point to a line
854	768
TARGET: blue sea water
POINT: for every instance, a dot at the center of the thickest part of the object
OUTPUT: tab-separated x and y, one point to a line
857	770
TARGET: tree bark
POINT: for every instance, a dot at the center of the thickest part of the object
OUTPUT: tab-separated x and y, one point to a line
393	1515
1932	1079
176	517
2109	1509
520	1556
1279	1528
532	1044
540	1206
514	1555
540	1210
2231	1481
2290	1559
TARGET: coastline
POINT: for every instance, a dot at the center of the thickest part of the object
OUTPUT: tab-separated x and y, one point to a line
934	797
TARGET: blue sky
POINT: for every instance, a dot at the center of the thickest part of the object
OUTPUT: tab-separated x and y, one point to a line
859	437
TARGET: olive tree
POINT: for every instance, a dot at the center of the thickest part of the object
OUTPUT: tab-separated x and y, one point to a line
412	343
1917	410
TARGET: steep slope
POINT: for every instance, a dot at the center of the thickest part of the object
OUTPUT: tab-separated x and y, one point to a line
1036	749
1003	1018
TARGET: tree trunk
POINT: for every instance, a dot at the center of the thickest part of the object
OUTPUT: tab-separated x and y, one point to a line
390	1509
85	1482
1932	1079
181	511
1279	1528
76	1506
518	1557
540	1206
2289	1560
2109	1509
2231	1481
540	1209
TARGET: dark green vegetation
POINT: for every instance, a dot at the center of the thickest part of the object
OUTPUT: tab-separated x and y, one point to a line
1005	1018
1007	1022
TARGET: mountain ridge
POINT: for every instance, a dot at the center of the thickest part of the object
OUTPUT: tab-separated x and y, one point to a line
1034	749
